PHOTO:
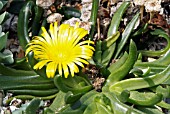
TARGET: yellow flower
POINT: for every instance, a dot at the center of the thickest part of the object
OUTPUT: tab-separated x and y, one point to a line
62	48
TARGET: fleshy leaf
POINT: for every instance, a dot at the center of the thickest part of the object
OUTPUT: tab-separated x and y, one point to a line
6	57
3	40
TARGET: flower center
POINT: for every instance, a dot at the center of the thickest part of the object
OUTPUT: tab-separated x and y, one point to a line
61	56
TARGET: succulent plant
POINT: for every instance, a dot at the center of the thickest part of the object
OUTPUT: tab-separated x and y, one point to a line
127	85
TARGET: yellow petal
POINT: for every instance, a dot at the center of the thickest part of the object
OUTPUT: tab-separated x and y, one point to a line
82	60
56	29
60	69
71	67
79	63
51	69
70	35
83	32
76	34
76	69
45	35
63	32
52	31
40	64
86	42
88	47
76	25
65	69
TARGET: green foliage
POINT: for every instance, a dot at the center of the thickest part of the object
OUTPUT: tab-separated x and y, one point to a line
158	33
30	107
76	85
69	12
6	57
131	85
2	4
3	38
3	17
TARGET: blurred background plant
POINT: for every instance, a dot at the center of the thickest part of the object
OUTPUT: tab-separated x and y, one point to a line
128	73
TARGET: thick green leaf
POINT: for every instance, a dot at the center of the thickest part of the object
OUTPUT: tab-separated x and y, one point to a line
139	83
126	33
7	71
164	90
112	30
0	30
116	19
163	104
22	64
69	12
107	55
3	40
1	5
119	73
149	110
119	107
144	98
156	65
124	96
91	108
143	29
74	84
141	72
79	106
93	18
136	71
30	107
3	17
33	106
6	57
58	102
98	52
23	80
97	103
110	40
71	98
119	63
97	108
162	34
